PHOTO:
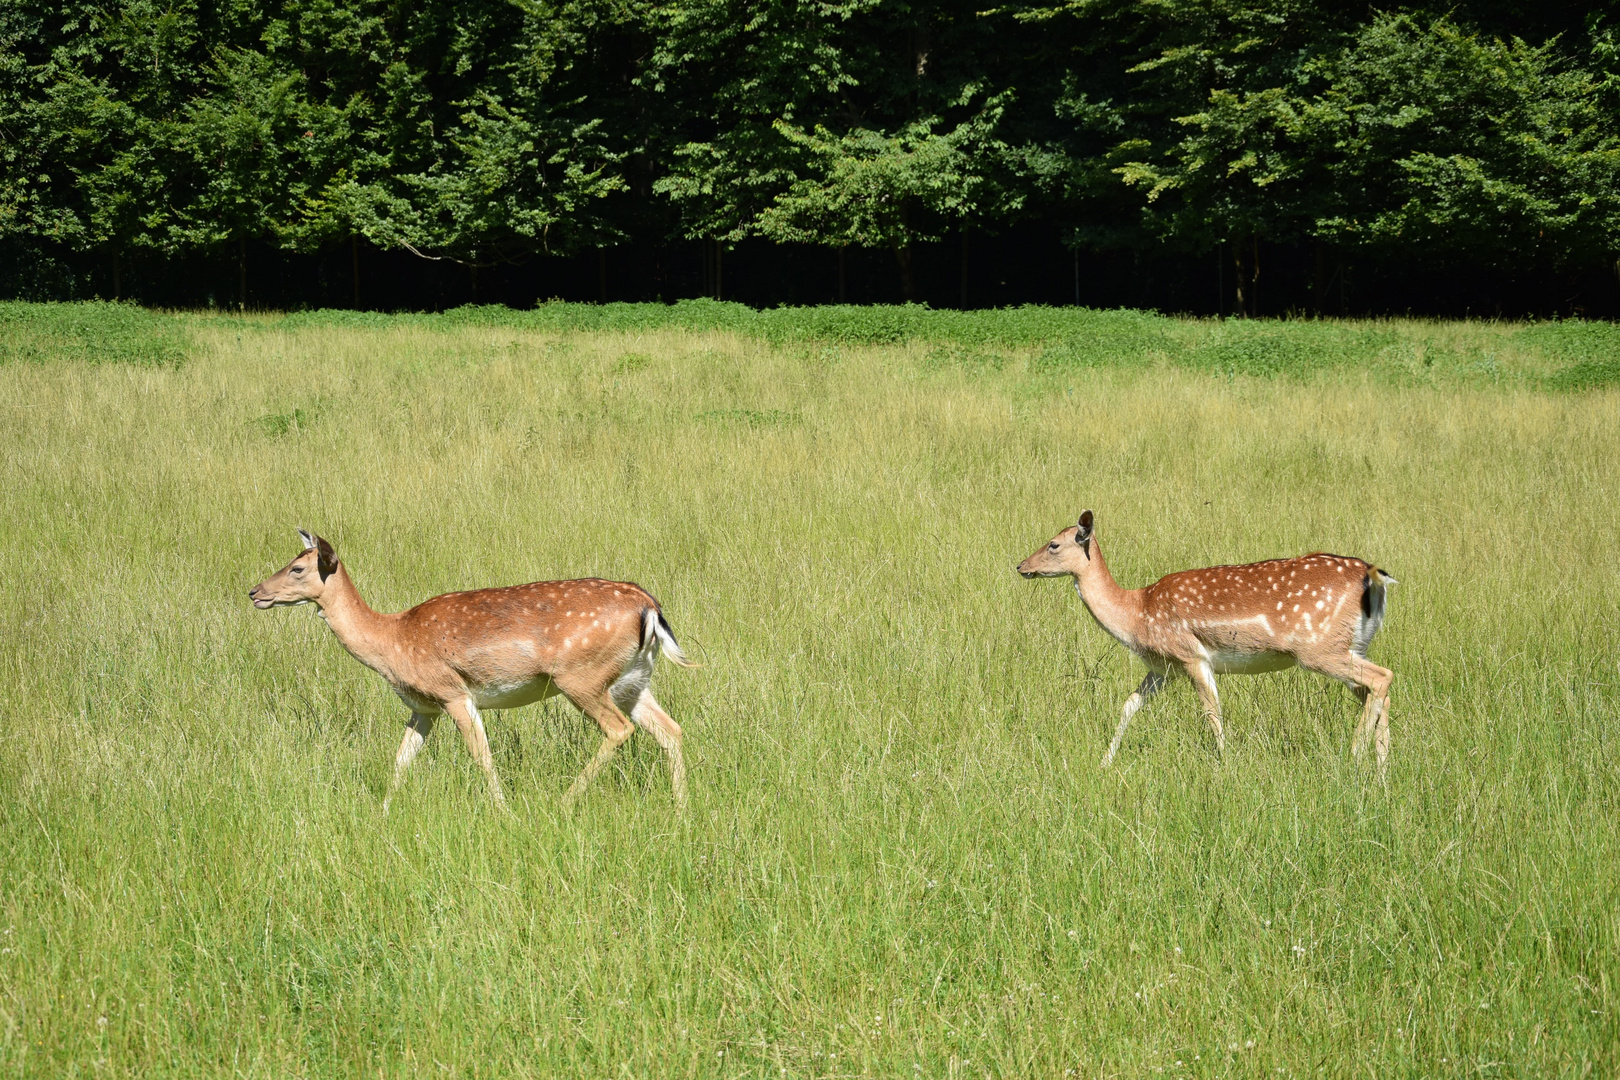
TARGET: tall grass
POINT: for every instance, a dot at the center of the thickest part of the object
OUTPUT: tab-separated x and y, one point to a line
1554	355
901	858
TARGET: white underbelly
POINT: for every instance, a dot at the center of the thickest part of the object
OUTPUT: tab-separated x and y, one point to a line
514	697
1245	663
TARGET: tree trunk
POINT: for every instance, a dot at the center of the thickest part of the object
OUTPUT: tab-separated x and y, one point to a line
902	254
1254	275
118	277
1238	309
962	299
1321	280
842	295
354	268
241	272
908	280
472	272
719	271
601	274
1246	264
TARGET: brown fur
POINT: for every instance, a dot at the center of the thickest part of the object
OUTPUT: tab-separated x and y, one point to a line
1246	619
592	641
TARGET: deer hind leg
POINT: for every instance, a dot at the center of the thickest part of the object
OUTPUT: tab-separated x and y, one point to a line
651	718
1152	683
1366	722
615	731
1370	684
471	725
1375	715
1203	680
416	733
1381	736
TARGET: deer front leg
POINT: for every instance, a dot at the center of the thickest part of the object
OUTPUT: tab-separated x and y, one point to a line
1203	679
1152	683
471	725
416	733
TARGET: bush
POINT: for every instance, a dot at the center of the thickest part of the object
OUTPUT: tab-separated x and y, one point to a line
96	332
1590	349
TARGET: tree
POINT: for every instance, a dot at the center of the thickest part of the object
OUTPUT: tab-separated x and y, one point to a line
521	164
876	190
490	130
1415	139
755	64
1447	145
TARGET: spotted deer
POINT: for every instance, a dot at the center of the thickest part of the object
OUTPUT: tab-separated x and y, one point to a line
1318	611
592	641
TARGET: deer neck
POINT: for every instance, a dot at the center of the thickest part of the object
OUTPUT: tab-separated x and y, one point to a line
1117	610
361	630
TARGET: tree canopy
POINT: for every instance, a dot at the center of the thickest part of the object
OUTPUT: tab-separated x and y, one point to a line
485	131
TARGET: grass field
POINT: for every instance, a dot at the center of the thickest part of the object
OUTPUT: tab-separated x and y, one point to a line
900	857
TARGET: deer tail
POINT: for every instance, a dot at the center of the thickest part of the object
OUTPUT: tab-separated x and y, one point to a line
1373	587
656	634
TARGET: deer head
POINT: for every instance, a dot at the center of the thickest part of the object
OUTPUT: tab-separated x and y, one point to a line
301	581
1069	552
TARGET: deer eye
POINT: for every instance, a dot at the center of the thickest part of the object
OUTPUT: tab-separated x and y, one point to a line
1053	546
298	569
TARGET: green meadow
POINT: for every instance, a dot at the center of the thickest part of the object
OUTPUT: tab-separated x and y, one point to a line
901	858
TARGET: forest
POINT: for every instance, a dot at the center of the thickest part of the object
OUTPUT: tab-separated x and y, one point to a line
1223	157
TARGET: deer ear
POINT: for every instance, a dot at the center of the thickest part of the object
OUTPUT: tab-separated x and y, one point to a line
309	541
326	558
1082	532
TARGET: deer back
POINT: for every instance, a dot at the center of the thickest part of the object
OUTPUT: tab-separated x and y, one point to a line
1280	605
518	633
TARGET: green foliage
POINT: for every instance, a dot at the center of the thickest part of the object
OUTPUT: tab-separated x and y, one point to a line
1111	339
93	333
1268	348
1063	340
1413	135
1046	341
874	190
1483	149
496	129
294	422
1587	375
1573	339
1594	349
868	189
874	324
757	66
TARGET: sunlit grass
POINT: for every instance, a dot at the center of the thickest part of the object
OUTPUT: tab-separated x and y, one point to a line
900	858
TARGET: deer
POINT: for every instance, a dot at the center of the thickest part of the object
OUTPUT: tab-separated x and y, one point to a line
1318	611
593	641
